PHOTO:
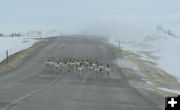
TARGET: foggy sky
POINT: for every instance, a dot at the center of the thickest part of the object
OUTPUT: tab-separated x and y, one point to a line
75	16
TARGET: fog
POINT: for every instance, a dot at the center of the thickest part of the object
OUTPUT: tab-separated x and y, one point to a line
103	17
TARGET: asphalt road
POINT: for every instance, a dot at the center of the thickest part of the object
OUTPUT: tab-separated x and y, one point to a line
28	87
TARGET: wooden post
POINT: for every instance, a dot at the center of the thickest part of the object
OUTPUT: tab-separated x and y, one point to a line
119	43
7	59
62	35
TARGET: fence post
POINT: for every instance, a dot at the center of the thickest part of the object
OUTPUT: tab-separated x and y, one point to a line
7	59
61	33
119	45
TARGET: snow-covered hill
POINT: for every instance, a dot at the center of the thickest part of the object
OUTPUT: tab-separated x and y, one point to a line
155	46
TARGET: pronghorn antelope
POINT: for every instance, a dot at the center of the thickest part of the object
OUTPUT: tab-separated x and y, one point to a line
96	69
90	67
70	65
94	64
101	69
65	65
60	66
108	70
49	64
80	70
81	67
86	63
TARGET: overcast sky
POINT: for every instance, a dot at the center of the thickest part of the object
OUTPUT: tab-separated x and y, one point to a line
75	16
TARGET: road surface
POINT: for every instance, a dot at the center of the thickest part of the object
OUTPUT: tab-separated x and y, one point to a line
28	87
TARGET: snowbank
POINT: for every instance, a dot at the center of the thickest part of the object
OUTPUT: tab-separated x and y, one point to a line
13	45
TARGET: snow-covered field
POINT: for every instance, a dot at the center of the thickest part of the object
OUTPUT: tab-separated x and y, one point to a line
13	45
155	46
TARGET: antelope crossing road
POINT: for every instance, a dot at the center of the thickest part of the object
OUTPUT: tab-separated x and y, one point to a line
28	87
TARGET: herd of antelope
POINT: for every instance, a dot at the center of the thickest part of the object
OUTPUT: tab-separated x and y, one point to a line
80	67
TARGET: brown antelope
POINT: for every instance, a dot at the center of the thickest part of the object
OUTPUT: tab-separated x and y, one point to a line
108	70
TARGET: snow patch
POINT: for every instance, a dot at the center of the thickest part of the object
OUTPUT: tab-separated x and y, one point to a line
147	82
140	86
123	63
170	90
